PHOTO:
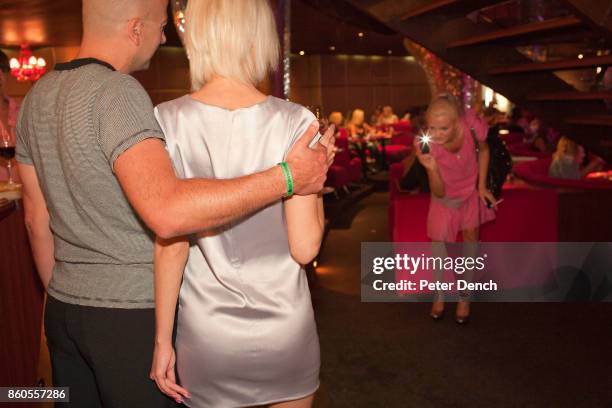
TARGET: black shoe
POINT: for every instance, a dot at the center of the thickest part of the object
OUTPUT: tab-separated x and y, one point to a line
437	316
462	320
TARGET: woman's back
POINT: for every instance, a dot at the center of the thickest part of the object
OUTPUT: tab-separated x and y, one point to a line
244	305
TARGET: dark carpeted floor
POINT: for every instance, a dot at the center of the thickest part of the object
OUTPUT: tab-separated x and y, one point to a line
394	355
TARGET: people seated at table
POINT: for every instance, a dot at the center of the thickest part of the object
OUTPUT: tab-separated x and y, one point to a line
387	117
568	158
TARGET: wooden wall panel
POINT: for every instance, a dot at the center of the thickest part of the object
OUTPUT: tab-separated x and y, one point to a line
348	82
333	70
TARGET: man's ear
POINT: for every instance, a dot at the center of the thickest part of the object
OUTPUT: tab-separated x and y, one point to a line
134	30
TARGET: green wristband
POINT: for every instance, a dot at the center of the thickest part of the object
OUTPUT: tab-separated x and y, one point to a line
288	178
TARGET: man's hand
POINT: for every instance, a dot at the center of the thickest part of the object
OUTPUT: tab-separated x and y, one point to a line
309	165
329	141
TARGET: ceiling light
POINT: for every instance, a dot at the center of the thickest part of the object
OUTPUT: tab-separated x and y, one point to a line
301	52
580	56
360	34
389	52
332	48
598	70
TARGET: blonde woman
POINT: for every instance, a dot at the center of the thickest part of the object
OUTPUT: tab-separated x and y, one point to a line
337	119
457	180
362	139
567	159
358	128
245	332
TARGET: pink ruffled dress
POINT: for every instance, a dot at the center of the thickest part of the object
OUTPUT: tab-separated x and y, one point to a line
461	208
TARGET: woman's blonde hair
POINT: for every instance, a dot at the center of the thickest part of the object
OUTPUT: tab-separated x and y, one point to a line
357	113
565	147
445	103
336	118
235	39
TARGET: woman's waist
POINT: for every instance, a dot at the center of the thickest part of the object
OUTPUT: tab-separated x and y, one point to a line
456	200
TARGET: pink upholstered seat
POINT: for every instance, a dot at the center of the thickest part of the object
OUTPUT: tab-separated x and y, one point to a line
536	172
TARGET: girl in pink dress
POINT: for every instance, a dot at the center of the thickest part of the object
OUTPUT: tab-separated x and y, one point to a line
457	179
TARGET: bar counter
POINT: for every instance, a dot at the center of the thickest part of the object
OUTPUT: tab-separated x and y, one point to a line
21	300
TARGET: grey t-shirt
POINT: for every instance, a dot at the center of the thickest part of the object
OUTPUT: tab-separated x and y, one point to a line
72	126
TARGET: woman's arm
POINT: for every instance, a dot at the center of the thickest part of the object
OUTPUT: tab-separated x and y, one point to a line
596	164
352	132
436	185
170	259
305	224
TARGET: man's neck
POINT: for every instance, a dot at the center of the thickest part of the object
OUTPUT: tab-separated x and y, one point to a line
116	59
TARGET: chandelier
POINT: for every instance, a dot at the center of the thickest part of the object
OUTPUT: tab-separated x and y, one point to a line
27	67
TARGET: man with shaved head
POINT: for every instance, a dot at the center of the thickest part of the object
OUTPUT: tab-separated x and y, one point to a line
99	185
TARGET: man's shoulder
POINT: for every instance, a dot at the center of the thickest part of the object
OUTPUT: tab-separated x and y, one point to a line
114	81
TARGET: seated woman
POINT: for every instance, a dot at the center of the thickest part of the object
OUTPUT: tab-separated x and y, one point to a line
567	159
336	119
362	138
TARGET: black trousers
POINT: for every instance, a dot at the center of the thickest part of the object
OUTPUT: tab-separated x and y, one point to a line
104	355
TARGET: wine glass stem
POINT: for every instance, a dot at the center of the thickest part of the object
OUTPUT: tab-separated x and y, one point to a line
9	168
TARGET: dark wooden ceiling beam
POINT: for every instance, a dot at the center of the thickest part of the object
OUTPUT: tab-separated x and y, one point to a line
448	7
576	63
519	31
598	13
590	120
571	96
428	8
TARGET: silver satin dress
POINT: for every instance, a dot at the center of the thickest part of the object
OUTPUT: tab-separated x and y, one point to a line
246	333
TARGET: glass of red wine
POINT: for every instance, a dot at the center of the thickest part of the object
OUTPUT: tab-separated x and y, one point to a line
7	151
